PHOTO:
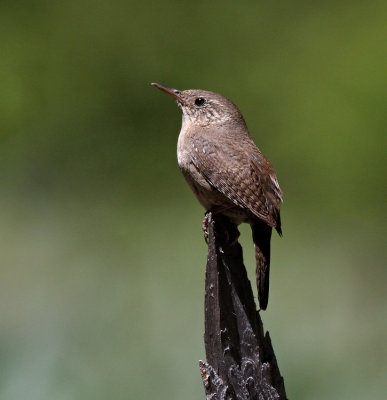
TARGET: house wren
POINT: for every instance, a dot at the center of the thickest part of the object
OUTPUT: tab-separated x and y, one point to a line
227	172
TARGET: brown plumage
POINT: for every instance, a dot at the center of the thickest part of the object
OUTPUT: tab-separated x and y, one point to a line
227	172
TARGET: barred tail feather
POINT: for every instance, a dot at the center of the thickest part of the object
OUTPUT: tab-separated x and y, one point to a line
261	238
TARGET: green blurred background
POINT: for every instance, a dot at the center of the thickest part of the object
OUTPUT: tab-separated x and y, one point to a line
102	254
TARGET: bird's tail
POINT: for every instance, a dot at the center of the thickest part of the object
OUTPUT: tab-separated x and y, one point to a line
261	238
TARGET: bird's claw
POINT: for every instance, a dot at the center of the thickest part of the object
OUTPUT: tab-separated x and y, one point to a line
205	227
230	237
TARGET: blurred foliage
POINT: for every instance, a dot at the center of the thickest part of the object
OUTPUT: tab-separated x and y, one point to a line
101	287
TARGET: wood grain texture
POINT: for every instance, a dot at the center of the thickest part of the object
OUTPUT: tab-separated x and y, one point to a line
240	358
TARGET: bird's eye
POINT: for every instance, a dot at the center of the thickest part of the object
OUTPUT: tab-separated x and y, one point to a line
199	101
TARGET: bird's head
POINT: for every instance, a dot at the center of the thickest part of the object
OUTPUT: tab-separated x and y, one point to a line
202	108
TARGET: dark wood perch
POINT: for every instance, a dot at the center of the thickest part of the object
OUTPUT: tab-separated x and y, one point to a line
241	364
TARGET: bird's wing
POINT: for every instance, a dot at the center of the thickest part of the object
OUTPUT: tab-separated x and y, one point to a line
245	177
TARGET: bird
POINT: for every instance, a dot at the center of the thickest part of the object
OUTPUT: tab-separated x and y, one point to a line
227	172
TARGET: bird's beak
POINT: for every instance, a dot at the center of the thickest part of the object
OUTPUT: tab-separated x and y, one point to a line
171	91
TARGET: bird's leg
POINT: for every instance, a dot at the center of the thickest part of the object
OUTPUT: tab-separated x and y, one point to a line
229	229
214	210
233	234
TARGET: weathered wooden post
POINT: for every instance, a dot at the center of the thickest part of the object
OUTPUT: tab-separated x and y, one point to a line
240	359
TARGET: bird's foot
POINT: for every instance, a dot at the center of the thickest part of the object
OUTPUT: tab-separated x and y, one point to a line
228	230
214	211
205	226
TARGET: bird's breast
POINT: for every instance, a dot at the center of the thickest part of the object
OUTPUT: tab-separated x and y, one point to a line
184	144
183	158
